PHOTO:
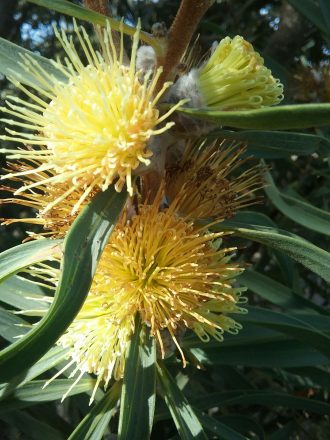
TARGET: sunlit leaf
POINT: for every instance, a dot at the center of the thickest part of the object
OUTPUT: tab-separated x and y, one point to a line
32	394
11	57
306	253
277	293
93	426
82	249
23	255
68	8
184	417
276	144
282	117
299	211
139	387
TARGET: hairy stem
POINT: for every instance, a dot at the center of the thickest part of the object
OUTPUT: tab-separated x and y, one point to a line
101	6
184	25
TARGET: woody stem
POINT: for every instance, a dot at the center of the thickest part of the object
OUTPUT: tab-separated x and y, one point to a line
181	31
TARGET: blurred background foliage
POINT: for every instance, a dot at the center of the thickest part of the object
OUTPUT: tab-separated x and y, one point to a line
270	368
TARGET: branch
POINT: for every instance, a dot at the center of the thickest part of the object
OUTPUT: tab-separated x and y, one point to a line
101	6
180	34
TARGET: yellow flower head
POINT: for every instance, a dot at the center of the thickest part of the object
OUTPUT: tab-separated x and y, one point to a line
92	127
56	206
160	266
209	179
235	77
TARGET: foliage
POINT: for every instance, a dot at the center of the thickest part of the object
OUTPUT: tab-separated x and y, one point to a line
269	381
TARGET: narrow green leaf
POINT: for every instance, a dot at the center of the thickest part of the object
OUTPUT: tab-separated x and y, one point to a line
287	431
275	354
317	375
23	255
276	144
23	294
325	8
246	397
244	424
52	358
220	429
267	398
286	264
311	256
233	378
277	293
11	57
32	394
82	249
31	427
282	117
68	8
320	322
94	424
12	326
138	395
312	12
299	211
294	326
185	419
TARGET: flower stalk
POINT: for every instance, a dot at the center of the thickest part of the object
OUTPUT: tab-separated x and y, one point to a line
184	25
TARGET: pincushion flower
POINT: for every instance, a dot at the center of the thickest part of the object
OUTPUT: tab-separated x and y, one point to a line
213	187
157	264
55	209
93	126
235	77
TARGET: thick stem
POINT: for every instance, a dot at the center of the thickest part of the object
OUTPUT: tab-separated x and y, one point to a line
101	6
180	34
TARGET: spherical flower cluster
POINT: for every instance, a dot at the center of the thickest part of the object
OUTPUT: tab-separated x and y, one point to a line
56	206
95	128
209	172
235	77
161	266
92	126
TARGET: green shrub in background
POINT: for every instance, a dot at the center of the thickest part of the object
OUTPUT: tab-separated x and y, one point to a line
165	261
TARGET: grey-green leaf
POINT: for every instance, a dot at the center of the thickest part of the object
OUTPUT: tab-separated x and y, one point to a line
23	255
139	388
276	144
185	419
299	211
95	423
11	58
306	253
282	354
277	293
32	394
313	13
219	429
282	117
23	294
292	325
82	249
31	427
69	8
